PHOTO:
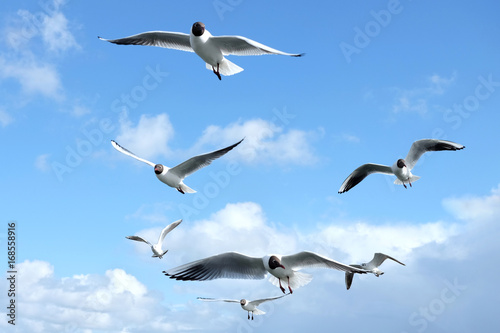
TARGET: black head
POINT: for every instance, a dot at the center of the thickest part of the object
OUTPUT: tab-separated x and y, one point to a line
243	301
198	29
274	263
401	163
158	169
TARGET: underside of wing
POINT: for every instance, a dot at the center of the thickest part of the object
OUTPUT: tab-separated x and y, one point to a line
129	153
138	239
242	46
361	173
379	258
311	259
166	39
217	300
195	163
260	301
227	265
418	148
167	229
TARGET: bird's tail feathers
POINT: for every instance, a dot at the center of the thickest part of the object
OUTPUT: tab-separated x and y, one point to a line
186	189
411	180
227	68
299	279
258	312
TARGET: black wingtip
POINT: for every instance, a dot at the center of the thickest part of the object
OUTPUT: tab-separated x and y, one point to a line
299	55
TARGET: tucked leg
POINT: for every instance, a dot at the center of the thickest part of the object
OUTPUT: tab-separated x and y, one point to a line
180	190
216	72
281	287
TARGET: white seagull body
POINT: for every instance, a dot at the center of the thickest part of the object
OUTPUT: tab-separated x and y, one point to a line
402	167
211	49
174	177
371	267
234	265
250	306
157	248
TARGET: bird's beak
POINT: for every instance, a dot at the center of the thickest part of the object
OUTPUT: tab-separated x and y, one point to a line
282	266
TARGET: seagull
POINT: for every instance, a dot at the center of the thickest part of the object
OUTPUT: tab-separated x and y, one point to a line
371	267
239	266
156	248
211	49
402	167
250	306
173	177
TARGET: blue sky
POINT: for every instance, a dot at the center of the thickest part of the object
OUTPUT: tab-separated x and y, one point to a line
375	78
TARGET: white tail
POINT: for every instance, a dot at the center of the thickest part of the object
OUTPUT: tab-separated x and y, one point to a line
186	189
297	280
412	179
227	68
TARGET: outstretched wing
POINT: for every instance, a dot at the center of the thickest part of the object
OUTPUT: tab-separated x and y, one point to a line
348	279
310	259
379	258
217	300
166	39
167	229
361	173
418	148
242	46
129	153
226	265
260	301
195	163
137	238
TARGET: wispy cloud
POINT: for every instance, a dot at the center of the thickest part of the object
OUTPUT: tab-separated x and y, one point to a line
5	118
416	100
42	162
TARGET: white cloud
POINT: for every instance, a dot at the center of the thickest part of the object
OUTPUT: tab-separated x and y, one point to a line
149	138
33	76
5	118
475	209
118	301
23	61
265	142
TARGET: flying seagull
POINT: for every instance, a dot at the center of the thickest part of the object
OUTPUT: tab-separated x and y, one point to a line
156	248
211	49
250	306
234	265
370	267
173	177
402	168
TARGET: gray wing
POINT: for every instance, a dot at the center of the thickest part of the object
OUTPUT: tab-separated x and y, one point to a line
348	279
260	301
242	46
217	300
379	258
230	265
195	163
361	173
310	259
167	229
137	238
129	153
166	39
418	148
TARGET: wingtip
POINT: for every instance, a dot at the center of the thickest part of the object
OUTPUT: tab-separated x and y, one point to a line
299	55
